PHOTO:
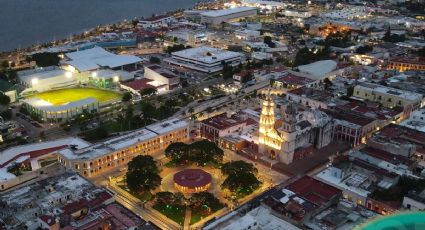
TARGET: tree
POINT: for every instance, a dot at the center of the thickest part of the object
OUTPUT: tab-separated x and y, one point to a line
177	151
148	91
175	48
327	83
241	184
200	152
4	65
236	167
46	59
394	38
154	60
142	174
191	110
268	40
148	110
421	52
306	56
387	35
205	199
96	134
169	198
205	151
350	91
241	179
338	39
4	99
126	97
364	49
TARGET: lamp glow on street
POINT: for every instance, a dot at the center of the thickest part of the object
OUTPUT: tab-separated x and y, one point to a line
68	74
34	81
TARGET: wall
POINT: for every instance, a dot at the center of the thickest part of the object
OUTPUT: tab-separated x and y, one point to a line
4	185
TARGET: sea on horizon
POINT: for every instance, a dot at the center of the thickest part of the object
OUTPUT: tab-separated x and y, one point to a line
30	22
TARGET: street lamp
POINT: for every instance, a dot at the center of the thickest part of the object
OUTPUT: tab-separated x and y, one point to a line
34	82
68	74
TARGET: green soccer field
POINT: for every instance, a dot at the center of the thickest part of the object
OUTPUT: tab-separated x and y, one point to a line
63	96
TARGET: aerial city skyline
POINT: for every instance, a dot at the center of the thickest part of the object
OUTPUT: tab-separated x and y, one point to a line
226	114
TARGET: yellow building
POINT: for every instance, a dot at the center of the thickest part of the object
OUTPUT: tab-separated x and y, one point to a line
388	97
404	64
117	152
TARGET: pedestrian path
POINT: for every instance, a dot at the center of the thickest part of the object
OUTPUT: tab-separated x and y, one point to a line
187	216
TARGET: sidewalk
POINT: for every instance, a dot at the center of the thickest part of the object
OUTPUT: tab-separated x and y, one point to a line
187	217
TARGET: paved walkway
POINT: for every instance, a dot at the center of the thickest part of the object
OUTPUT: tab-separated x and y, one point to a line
318	158
187	216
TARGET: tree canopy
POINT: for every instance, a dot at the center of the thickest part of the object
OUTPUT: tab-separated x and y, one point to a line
169	198
200	152
175	48
4	99
241	184
338	39
46	59
241	179
268	40
204	199
142	174
306	56
126	96
394	38
236	167
154	60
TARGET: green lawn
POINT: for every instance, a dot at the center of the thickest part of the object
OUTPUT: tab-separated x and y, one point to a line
143	197
63	96
196	215
173	212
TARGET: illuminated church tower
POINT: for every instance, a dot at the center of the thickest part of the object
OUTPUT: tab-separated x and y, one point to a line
277	142
288	132
269	139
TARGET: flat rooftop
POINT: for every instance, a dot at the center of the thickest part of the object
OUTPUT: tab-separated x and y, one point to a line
206	54
126	140
39	148
225	12
412	96
315	94
222	121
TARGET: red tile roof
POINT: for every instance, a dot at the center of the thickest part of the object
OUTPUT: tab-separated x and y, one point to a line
139	84
410	60
386	156
75	206
222	122
35	153
313	190
49	220
294	80
392	131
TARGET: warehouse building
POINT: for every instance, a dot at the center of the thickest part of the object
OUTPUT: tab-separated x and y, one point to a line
204	59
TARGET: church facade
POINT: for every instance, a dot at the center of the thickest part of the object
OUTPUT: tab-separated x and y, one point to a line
295	134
